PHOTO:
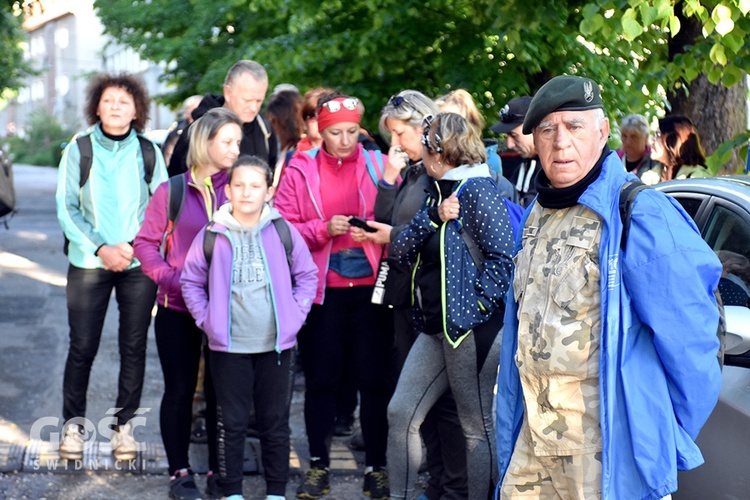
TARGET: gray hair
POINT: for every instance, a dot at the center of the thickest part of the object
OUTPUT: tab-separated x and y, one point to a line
412	110
254	69
636	123
735	263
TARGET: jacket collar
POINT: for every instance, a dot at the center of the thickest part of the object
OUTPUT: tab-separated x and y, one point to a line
467	172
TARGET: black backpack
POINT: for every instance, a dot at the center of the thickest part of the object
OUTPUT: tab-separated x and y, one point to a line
175	200
7	189
87	158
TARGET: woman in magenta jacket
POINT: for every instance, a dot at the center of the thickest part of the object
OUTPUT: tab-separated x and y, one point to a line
214	146
319	193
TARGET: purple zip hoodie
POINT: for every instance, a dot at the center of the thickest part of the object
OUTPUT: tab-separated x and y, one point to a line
207	290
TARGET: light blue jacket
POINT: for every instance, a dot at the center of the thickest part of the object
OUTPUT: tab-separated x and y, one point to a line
110	207
659	377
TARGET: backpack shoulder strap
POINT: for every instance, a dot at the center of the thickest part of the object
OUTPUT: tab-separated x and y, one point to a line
264	129
476	254
371	167
209	240
627	198
149	158
176	198
87	157
282	227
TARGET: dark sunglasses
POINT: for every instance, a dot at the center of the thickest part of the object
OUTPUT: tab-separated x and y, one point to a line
507	117
426	125
310	115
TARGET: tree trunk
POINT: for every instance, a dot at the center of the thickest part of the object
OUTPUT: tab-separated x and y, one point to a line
719	113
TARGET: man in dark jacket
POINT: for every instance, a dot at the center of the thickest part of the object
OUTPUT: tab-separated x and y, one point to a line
245	89
523	176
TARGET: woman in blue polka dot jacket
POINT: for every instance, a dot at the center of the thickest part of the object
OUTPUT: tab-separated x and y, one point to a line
458	303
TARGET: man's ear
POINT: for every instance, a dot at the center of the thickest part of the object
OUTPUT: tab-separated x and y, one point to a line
605	130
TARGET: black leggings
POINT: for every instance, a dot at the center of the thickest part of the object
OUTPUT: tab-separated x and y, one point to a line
179	342
347	331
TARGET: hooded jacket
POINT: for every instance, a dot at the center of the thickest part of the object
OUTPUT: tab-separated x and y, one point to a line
659	377
165	270
300	202
476	295
208	290
110	207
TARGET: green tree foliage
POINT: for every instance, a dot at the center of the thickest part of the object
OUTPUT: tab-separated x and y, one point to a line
13	68
494	48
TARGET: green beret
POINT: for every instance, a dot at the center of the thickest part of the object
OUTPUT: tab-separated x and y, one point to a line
562	93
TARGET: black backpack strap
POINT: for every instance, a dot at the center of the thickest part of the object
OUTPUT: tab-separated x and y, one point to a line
176	198
87	157
209	240
627	198
476	254
149	158
282	227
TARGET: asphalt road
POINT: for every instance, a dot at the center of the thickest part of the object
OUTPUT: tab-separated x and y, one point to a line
33	347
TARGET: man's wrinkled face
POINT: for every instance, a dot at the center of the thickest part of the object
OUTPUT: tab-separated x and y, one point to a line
569	143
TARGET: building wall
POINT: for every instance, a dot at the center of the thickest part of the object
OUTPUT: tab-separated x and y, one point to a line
66	42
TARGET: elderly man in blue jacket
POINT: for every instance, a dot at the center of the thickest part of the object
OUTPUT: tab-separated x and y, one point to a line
609	366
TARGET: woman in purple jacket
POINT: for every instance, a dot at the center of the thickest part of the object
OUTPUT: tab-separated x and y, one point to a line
214	146
250	289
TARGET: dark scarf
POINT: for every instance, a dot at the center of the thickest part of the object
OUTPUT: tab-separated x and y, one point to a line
550	197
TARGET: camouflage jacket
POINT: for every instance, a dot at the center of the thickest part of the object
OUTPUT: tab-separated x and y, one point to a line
659	378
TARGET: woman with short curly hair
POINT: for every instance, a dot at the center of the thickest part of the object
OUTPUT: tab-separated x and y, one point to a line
100	210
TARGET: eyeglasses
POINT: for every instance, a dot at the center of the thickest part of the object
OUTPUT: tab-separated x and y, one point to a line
310	115
426	125
507	117
397	100
350	103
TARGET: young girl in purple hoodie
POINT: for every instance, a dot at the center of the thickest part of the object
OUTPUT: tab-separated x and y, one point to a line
251	300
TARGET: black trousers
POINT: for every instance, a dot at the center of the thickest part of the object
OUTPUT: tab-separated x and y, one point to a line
347	335
267	379
179	342
88	294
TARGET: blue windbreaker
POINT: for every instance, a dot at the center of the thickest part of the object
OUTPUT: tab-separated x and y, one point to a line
659	377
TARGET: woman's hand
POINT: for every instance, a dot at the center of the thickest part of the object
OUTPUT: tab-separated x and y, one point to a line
449	208
382	236
397	161
116	258
338	225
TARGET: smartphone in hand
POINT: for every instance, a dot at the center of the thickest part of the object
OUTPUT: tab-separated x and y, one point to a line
362	224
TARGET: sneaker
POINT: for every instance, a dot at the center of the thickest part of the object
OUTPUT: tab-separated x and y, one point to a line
316	484
124	446
376	485
213	486
182	486
344	425
71	446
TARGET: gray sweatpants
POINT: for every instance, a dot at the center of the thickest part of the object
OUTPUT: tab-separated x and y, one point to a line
432	366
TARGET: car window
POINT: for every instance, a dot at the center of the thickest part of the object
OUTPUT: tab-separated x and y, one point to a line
690	204
727	230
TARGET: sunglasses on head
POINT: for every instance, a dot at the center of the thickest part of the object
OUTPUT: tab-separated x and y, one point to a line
426	125
349	103
397	100
507	117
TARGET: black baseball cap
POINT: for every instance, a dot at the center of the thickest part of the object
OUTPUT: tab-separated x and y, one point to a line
512	115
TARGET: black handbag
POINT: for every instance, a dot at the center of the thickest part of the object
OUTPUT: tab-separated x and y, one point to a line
392	284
